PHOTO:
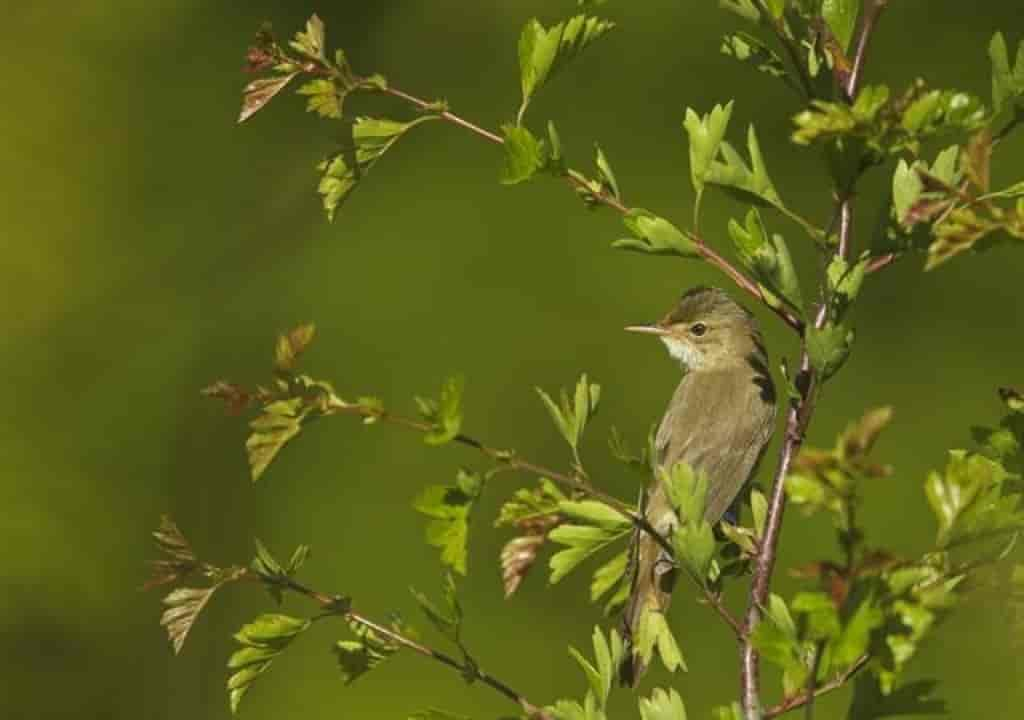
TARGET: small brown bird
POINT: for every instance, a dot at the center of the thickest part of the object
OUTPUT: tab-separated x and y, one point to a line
719	421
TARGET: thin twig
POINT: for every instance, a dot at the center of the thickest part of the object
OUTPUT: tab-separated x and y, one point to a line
609	200
798	418
330	602
795	701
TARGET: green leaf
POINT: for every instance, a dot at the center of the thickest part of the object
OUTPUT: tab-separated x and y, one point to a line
612	574
694	545
262	641
748	183
596	513
449	507
1007	82
445	413
311	42
844	283
655	235
447	619
819	613
543	51
662	705
706	133
525	155
828	348
529	505
369	139
279	423
607	177
768	259
687	490
361	655
607	657
654	633
759	509
841	16
273	575
325	98
581	542
747	48
968	500
571	416
728	712
746	9
775	637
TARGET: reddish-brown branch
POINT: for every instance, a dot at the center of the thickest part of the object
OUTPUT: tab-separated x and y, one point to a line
797	420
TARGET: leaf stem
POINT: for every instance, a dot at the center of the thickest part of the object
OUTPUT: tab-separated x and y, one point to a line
329	602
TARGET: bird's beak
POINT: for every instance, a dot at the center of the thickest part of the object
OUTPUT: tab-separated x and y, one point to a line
648	329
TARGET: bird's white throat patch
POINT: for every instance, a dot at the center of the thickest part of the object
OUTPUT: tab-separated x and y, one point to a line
686	354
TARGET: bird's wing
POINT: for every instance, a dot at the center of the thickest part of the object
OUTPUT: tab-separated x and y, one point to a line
719	424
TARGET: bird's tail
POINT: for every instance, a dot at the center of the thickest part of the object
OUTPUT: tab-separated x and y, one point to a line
654	577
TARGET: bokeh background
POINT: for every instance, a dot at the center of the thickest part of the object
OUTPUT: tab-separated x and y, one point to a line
150	246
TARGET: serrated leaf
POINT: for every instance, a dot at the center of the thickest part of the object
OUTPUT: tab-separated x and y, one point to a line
841	17
1007	81
369	139
612	575
360	656
694	545
655	235
310	42
449	507
596	513
445	413
654	633
261	91
324	97
543	51
581	542
706	133
524	155
447	619
748	183
263	640
747	48
178	559
759	509
183	608
687	490
844	282
767	258
828	348
662	705
532	504
279	423
607	177
291	346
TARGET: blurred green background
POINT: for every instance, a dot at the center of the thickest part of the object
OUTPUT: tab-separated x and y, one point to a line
151	246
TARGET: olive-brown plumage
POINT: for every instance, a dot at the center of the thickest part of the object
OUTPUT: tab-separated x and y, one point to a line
719	421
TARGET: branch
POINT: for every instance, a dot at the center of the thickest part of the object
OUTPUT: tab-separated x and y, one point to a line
795	701
608	200
798	418
330	603
511	461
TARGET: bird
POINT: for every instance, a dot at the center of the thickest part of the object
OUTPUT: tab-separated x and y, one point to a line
719	421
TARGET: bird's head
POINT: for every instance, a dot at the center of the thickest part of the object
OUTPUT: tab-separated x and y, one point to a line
708	330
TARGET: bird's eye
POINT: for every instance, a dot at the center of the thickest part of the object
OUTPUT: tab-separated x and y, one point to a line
698	329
